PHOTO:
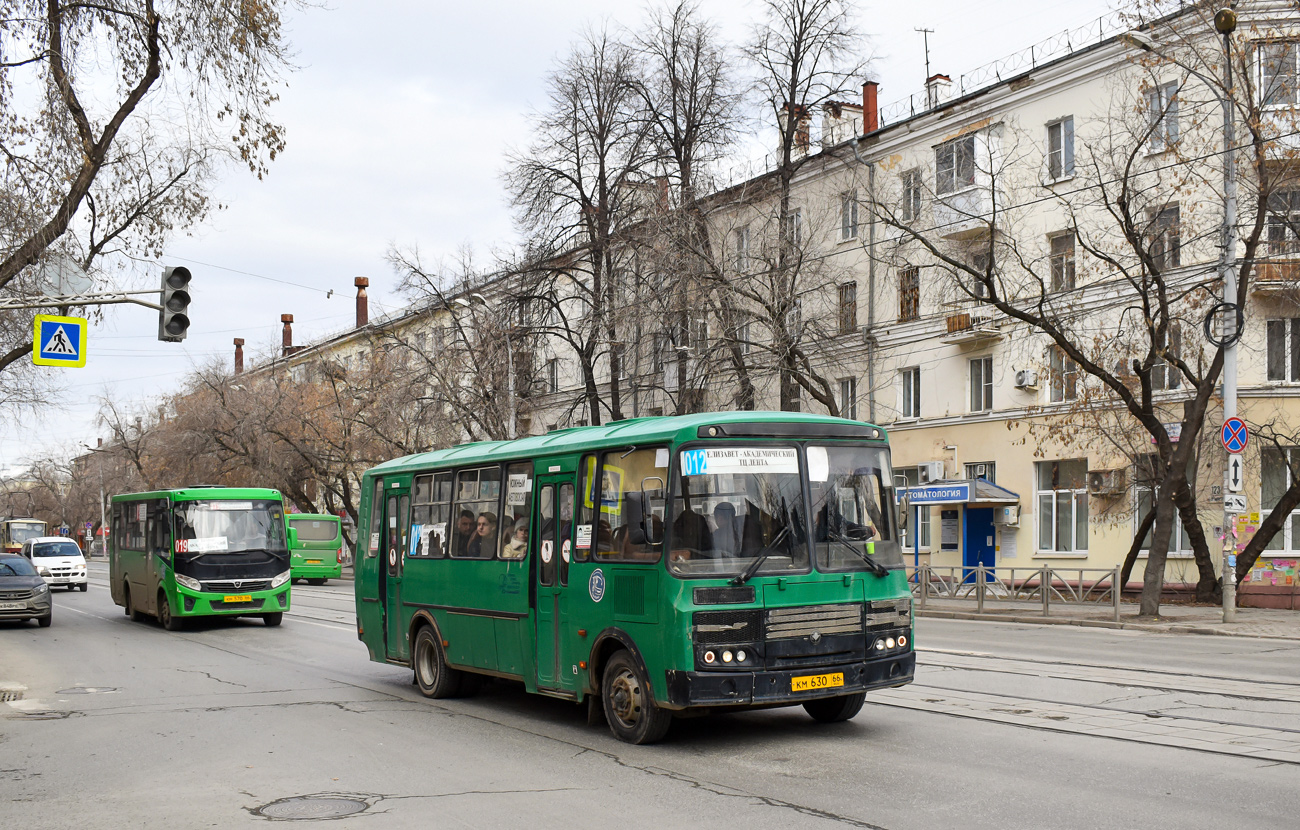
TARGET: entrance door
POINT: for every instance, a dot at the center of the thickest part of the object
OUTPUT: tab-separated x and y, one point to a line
397	511
555	511
978	546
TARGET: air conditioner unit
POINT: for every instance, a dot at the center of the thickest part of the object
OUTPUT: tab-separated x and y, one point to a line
1008	515
1107	482
931	471
1026	379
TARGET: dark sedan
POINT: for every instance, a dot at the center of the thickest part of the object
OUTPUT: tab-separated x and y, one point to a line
23	594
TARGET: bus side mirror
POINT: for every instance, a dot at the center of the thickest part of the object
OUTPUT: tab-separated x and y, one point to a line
651	525
293	537
904	502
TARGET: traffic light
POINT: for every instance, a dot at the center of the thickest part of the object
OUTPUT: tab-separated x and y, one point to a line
174	316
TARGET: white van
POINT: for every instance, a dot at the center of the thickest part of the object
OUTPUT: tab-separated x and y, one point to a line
58	560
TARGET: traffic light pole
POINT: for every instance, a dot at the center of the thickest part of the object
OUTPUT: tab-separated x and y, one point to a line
104	298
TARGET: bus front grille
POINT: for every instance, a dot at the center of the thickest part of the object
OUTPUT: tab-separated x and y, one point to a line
235	586
821	620
222	605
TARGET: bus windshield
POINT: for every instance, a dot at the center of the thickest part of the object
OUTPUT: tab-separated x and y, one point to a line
20	532
852	507
229	527
315	530
734	505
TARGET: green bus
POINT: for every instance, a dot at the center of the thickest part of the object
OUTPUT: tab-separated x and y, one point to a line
648	567
200	551
317	553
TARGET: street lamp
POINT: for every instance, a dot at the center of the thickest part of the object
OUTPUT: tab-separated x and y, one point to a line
1225	22
512	414
102	522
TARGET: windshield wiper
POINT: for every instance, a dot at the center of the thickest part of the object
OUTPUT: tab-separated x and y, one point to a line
768	549
876	568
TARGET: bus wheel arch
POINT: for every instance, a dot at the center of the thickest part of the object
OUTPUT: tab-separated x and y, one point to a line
433	676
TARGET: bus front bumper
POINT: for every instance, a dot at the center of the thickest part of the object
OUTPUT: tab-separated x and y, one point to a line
689	689
202	603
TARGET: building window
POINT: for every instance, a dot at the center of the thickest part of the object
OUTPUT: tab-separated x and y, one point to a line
849	214
981	384
1283	231
1162	115
848	307
920	514
980	264
1277	74
1283	349
986	470
553	375
742	337
849	398
909	294
740	240
1065	374
1062	261
911	382
1165	375
911	208
1062	506
1277	474
954	164
794	227
1060	149
1146	480
1163	243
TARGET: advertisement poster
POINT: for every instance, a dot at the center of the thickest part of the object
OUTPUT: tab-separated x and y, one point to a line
948	532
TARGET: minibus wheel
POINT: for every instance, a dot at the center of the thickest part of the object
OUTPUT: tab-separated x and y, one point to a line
165	617
835	709
631	712
432	674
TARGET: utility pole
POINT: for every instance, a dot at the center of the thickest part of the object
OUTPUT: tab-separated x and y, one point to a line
1225	21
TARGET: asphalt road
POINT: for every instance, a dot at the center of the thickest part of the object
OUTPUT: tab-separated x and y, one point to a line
123	725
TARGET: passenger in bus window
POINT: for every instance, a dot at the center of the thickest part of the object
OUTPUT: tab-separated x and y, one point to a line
484	543
518	544
726	540
464	533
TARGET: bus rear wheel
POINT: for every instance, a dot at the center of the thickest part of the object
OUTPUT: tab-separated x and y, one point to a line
135	615
632	715
835	709
166	619
432	674
316	581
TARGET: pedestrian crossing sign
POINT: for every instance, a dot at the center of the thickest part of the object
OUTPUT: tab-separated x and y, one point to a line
59	341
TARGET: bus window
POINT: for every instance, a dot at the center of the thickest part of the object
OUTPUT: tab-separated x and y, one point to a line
477	495
432	506
517	511
628	478
564	542
588	487
546	516
376	516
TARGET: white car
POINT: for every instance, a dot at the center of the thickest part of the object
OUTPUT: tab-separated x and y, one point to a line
57	560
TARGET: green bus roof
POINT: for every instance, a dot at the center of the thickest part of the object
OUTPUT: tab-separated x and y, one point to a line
666	429
204	494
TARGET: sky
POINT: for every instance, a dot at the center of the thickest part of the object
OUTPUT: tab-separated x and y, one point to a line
399	117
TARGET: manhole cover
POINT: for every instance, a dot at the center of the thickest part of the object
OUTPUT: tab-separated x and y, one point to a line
86	690
312	807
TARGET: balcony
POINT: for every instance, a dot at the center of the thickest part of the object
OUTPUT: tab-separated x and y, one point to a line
971	327
1274	277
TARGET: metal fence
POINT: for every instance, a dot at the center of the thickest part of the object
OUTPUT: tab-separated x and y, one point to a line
1039	586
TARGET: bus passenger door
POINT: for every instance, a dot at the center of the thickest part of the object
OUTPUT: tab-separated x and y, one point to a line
397	511
555	511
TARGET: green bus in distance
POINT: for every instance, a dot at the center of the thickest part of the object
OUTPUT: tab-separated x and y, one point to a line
200	551
315	556
647	567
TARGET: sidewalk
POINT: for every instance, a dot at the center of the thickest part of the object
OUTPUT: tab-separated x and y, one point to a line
1266	623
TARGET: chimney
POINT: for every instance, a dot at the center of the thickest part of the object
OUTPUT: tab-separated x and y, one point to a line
239	355
99	442
802	129
287	336
870	108
938	88
363	301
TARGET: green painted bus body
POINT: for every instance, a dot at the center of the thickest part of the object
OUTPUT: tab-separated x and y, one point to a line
143	563
492	616
315	557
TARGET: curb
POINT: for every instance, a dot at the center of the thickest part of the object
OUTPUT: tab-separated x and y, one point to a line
1155	628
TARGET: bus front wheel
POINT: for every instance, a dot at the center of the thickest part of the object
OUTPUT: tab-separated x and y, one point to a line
166	618
273	619
432	674
632	714
835	709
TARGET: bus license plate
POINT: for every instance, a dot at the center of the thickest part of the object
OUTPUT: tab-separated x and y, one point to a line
245	598
313	561
12	606
816	681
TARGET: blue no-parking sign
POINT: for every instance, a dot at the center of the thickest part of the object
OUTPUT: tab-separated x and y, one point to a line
1235	435
59	341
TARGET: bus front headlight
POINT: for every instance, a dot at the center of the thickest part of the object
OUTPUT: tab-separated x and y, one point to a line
280	579
189	582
